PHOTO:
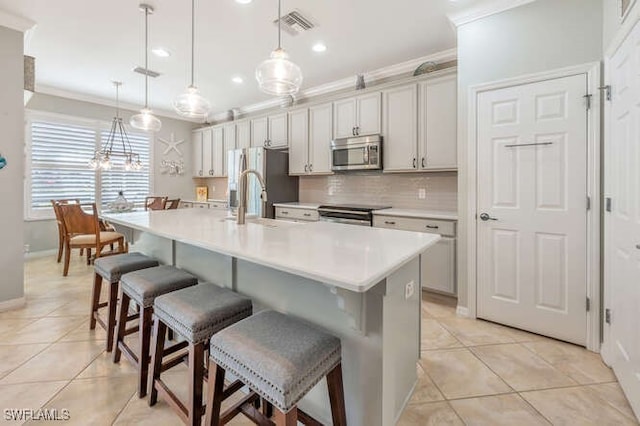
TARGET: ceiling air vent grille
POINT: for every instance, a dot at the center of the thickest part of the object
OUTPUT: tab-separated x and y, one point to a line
295	23
145	71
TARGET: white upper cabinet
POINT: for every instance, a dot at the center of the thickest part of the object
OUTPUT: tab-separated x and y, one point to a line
207	152
320	129
259	131
298	141
217	151
278	135
243	134
196	142
357	116
400	128
438	124
229	143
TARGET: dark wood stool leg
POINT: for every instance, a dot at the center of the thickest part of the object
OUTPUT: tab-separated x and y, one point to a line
196	379
159	333
288	419
336	396
121	326
267	408
111	318
170	335
88	256
67	258
145	342
214	394
95	299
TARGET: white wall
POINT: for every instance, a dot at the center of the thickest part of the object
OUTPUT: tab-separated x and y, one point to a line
11	147
43	235
540	36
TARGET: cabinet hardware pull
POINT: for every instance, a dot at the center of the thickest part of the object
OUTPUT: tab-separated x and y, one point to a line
433	226
414	162
310	167
284	212
638	246
307	214
200	172
353	131
389	222
423	162
357	130
306	167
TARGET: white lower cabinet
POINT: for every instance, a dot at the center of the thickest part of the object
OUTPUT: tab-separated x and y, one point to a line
297	214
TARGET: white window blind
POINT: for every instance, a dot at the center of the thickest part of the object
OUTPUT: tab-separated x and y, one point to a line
134	184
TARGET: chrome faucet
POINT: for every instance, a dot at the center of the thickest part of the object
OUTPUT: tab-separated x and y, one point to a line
242	202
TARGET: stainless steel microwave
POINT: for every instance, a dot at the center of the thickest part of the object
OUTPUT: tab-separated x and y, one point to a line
359	153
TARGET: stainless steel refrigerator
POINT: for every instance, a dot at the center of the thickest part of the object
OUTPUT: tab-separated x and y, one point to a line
273	165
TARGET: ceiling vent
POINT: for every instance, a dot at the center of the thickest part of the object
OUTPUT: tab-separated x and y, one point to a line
295	23
145	71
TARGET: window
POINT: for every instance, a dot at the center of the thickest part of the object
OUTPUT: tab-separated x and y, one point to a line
57	166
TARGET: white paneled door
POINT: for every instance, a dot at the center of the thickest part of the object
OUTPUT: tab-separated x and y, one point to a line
622	219
532	207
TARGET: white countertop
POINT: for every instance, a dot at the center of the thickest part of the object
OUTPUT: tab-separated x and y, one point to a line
210	200
346	256
422	214
298	205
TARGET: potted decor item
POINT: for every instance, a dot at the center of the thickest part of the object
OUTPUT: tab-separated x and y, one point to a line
121	204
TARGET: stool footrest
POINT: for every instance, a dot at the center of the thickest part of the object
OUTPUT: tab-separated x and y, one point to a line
102	305
172	400
232	388
100	321
255	415
131	356
235	409
131	330
306	419
173	362
175	348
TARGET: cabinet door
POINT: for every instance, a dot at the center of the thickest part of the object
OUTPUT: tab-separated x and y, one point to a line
438	266
259	131
197	153
400	128
278	137
438	123
217	151
344	118
243	134
320	128
298	141
369	113
229	137
207	152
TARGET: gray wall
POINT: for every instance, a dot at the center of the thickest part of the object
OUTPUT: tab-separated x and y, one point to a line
540	36
43	235
11	147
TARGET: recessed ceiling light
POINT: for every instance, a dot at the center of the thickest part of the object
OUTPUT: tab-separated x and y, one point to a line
161	52
237	80
244	1
319	47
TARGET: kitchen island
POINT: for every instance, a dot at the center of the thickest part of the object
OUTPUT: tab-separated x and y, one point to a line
361	284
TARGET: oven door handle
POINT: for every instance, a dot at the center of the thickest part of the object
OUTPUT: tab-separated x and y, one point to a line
345	221
364	214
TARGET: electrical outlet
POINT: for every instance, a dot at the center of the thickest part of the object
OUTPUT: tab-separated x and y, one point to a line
409	289
331	190
422	193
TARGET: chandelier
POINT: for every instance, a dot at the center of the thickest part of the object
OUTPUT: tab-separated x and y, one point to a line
277	75
102	158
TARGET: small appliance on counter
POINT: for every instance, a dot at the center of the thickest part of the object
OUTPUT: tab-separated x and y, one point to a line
352	214
357	153
273	166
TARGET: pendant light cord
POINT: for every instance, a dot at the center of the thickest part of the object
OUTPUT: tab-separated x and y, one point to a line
193	37
279	26
146	57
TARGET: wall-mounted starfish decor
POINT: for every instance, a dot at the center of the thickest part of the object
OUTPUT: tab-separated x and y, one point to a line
172	144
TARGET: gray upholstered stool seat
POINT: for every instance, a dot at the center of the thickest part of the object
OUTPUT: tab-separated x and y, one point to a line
111	268
145	285
279	357
198	312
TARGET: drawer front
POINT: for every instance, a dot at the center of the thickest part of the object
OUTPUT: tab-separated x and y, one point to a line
432	226
186	205
200	205
218	206
296	214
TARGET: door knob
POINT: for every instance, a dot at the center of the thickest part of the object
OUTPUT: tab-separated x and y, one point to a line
485	217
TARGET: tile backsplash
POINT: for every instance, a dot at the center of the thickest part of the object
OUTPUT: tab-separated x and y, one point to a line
396	190
217	187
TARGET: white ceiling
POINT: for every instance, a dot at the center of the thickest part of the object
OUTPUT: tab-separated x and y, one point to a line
80	45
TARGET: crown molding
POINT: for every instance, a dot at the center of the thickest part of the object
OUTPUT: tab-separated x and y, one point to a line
482	11
15	22
348	82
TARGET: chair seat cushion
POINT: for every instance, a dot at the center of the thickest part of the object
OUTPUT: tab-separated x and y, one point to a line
145	285
105	237
279	357
198	312
111	268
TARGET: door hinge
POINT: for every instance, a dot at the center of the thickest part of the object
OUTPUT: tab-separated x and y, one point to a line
588	203
588	304
607	90
607	316
587	98
607	204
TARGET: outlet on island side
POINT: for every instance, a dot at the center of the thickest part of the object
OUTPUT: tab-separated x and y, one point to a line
422	193
409	289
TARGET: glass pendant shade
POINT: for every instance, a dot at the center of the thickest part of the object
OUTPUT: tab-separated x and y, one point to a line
279	76
191	104
145	121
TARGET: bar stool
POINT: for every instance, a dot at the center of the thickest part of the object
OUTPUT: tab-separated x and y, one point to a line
280	359
196	313
111	268
143	287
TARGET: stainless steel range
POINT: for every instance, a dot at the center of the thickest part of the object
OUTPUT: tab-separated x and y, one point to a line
352	214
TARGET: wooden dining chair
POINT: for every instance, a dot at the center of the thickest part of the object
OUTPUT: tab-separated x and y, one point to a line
155	203
60	222
173	204
83	231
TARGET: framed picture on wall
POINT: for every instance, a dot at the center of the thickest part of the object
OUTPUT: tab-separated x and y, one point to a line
625	6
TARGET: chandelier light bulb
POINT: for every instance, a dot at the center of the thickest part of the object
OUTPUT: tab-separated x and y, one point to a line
105	163
93	163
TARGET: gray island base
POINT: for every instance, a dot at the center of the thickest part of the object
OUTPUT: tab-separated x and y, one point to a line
361	284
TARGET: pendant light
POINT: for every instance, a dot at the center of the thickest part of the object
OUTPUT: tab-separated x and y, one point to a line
146	120
277	75
191	104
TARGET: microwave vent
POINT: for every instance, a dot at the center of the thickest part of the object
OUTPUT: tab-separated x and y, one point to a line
294	23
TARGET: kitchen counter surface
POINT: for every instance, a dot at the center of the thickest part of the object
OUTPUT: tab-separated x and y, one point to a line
203	202
298	205
422	214
350	257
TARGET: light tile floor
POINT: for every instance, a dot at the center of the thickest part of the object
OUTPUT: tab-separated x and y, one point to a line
471	372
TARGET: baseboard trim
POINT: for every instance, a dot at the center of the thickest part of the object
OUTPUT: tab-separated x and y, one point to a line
462	311
7	305
38	254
